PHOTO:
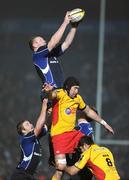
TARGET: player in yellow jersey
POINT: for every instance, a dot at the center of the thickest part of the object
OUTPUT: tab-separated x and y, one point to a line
66	102
98	159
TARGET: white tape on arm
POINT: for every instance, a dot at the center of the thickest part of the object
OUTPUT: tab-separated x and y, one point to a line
62	161
103	122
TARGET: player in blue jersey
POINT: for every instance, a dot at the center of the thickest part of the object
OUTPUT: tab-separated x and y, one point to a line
29	137
45	54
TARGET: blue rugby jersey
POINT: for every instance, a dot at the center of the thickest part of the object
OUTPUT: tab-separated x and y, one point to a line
30	151
47	65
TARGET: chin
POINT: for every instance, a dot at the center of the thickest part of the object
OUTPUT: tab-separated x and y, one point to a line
44	44
32	129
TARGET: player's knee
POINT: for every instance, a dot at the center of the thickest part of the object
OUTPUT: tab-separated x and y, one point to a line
61	161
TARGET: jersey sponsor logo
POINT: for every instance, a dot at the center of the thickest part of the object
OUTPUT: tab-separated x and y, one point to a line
54	62
69	111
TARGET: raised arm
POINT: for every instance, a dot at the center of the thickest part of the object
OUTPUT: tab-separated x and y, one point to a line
69	38
55	39
93	115
50	92
41	119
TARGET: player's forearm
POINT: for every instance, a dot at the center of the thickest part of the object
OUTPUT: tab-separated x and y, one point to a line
55	39
72	170
69	38
93	115
42	116
41	119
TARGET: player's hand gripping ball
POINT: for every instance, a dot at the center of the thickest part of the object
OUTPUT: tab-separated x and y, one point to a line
76	15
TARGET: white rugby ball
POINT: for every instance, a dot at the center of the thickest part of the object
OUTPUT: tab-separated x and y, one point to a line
76	15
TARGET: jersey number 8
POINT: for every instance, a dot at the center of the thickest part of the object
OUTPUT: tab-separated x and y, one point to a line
109	163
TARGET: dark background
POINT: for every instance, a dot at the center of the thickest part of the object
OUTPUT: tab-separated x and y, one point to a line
20	85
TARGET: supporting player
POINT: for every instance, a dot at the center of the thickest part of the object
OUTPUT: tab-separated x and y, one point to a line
30	146
66	101
99	159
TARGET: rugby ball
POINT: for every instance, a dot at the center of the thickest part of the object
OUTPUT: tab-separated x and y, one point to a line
76	15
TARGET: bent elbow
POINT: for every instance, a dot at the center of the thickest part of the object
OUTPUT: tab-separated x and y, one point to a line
72	172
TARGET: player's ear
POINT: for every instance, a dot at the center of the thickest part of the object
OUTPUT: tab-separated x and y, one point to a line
23	131
86	146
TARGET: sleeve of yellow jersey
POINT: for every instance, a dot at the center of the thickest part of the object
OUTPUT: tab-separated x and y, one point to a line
82	104
83	160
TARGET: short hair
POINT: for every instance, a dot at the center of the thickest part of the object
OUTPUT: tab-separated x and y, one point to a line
31	43
20	127
86	140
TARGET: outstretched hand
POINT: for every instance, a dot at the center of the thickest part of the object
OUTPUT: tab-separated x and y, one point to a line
45	101
67	17
109	128
47	87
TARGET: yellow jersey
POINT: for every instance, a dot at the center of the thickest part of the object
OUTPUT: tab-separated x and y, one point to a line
64	112
100	161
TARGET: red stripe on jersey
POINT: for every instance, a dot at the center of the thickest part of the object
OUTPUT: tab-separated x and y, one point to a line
99	173
55	111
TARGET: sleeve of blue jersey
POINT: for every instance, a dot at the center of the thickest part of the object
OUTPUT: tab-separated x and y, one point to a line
43	132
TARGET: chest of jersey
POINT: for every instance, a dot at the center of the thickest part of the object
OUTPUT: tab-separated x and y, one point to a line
64	113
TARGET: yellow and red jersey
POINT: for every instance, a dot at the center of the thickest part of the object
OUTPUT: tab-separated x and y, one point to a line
101	162
64	112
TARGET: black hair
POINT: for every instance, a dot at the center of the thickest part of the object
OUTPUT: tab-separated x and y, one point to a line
69	82
85	140
31	42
